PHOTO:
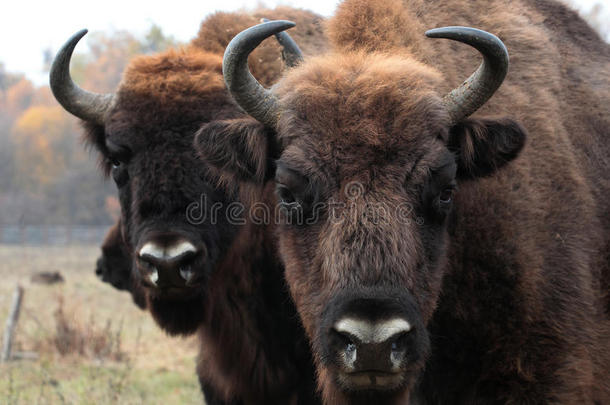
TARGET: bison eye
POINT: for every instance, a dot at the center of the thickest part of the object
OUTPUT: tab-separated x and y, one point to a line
117	154
118	172
285	195
296	195
447	195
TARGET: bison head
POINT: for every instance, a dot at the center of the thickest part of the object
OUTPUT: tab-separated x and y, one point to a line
371	158
175	218
114	265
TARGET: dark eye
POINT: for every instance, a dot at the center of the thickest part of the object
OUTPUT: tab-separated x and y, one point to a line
446	195
118	171
115	163
285	195
117	154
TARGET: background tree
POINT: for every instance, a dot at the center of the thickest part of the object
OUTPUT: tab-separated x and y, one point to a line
46	176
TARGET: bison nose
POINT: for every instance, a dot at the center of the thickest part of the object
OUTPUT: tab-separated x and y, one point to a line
169	264
364	346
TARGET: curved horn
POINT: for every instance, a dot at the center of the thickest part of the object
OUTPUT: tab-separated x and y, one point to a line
81	103
291	53
482	84
257	101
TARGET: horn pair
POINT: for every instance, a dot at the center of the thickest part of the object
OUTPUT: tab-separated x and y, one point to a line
461	102
93	107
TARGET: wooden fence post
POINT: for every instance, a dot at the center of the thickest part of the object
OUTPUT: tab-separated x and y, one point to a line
11	324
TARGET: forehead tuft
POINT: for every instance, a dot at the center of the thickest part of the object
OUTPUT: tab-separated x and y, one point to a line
351	94
175	90
370	107
173	75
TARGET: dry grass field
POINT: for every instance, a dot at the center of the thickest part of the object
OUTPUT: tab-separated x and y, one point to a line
93	345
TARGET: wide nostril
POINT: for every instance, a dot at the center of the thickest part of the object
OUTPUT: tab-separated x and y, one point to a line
399	342
151	273
344	345
187	273
399	346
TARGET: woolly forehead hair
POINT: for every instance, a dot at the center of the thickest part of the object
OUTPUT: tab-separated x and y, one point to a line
360	72
174	75
343	92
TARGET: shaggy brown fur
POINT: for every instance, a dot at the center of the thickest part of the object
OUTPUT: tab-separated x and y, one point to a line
511	279
253	348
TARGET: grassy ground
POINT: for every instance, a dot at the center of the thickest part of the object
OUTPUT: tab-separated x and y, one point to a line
94	345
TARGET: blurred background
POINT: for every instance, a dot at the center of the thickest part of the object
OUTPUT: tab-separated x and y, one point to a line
78	340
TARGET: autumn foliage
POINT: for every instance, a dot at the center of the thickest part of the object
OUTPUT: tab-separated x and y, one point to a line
46	176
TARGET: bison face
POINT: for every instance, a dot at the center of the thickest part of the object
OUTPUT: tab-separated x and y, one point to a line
371	168
175	248
174	218
370	182
369	173
175	225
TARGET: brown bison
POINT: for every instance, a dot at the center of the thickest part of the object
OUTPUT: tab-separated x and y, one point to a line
201	265
436	257
114	266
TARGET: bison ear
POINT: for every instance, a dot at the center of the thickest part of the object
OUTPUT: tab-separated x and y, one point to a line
484	145
236	148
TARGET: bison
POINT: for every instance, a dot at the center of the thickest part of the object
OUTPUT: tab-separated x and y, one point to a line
114	266
441	248
201	267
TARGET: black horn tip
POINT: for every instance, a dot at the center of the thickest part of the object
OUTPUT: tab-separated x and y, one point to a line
80	103
70	44
79	34
64	54
482	40
456	31
483	83
273	26
291	53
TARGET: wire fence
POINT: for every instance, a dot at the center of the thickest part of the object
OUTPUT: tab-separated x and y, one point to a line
52	235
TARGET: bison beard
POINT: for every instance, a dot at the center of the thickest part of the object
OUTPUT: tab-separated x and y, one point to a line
220	280
507	277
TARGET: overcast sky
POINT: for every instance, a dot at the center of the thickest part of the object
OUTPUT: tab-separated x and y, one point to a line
27	28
